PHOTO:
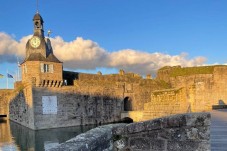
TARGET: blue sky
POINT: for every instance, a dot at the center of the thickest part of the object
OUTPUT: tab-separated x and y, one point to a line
121	28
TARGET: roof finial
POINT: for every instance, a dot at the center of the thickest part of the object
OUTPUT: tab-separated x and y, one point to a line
37	6
48	33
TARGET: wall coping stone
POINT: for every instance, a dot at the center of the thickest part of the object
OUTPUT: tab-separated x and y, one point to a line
174	121
95	139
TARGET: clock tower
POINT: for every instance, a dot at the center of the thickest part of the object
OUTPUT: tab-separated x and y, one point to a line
41	67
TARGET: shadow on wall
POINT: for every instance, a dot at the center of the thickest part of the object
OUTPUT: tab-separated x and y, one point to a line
127	104
126	120
72	107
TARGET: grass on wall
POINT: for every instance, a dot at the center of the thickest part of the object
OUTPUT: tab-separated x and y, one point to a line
178	71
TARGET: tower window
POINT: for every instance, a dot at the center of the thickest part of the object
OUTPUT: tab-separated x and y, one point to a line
36	25
47	68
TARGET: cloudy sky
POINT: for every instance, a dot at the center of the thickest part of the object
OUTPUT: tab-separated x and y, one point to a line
100	35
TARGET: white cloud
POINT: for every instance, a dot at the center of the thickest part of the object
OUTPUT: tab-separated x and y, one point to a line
10	48
87	54
145	63
79	53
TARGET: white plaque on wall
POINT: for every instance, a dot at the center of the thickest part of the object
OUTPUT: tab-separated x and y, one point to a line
50	104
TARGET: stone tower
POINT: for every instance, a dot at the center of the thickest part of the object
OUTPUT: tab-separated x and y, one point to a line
41	68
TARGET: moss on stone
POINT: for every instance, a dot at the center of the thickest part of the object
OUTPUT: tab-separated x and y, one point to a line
163	84
191	71
175	71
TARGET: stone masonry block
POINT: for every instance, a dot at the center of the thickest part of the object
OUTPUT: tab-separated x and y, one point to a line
198	133
198	119
135	127
153	125
139	143
150	134
157	145
176	121
120	130
121	144
188	146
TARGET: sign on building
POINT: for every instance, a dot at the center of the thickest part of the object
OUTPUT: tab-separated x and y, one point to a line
50	104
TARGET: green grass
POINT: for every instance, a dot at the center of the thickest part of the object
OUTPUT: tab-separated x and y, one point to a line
185	71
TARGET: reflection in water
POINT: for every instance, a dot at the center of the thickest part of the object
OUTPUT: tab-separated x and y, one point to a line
16	137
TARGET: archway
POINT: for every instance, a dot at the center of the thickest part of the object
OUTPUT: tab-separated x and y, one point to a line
127	120
127	104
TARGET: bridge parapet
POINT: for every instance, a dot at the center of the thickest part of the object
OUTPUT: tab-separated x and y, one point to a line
185	132
179	132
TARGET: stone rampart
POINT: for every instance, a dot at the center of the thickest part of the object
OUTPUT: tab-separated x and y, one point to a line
185	132
128	85
204	86
22	108
71	107
166	102
5	96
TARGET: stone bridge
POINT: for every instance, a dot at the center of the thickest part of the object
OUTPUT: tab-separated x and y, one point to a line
185	132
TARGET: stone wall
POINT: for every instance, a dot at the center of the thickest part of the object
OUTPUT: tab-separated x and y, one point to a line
204	86
185	132
97	98
92	99
5	95
166	102
74	107
98	139
22	108
128	85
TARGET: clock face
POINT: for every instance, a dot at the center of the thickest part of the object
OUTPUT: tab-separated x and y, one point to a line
35	42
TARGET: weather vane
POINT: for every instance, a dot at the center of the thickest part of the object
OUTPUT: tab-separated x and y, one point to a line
49	32
37	5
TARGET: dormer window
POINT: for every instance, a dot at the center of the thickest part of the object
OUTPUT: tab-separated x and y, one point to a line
47	68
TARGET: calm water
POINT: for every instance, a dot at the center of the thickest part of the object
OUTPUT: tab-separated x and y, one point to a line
14	137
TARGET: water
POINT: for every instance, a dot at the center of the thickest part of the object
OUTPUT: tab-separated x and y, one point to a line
14	137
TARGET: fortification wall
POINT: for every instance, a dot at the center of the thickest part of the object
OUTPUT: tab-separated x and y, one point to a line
72	108
219	86
166	102
128	85
204	86
93	99
5	95
199	90
75	108
22	107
